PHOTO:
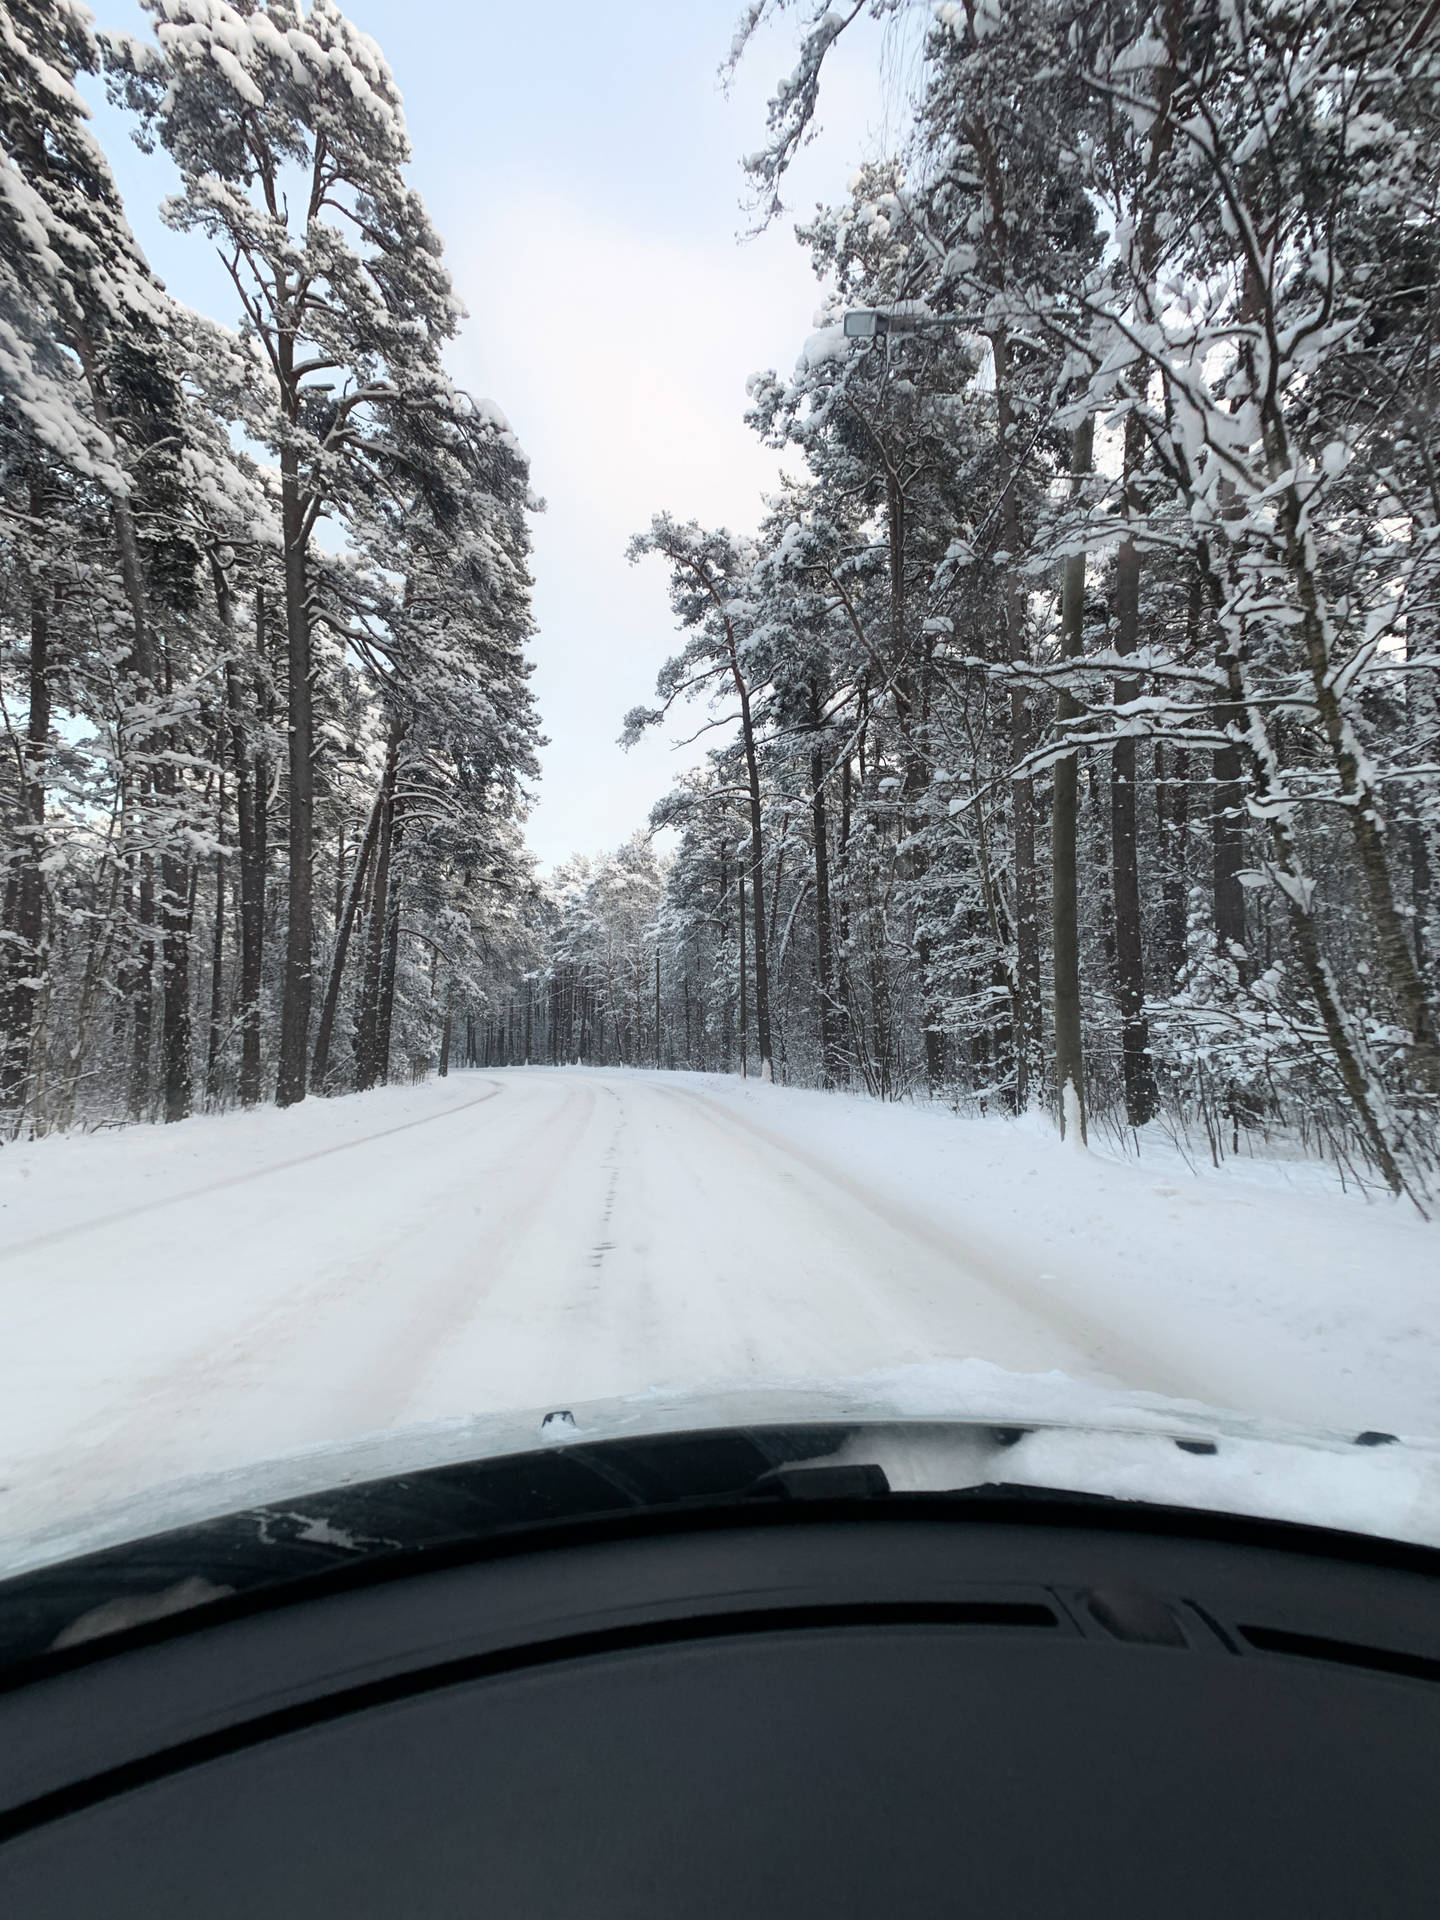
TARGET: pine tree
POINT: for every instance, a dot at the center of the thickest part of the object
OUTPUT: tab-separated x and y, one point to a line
341	289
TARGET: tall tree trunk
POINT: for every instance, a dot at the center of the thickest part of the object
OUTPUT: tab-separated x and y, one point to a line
1172	821
252	918
727	1028
1027	1020
143	993
1172	830
26	957
217	976
657	1007
912	715
367	1038
824	959
299	942
840	906
392	956
143	661
757	875
339	877
249	768
1420	892
1426	713
445	1032
175	1021
174	871
97	959
178	877
1173	808
1227	799
1064	816
1372	1108
744	995
145	665
1227	807
1364	809
364	855
1139	1070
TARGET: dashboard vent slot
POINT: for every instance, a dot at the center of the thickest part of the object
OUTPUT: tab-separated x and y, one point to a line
1344	1653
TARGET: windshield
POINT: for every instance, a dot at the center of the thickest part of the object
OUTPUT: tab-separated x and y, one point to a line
715	721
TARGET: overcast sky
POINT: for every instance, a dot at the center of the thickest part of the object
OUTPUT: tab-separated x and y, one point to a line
583	165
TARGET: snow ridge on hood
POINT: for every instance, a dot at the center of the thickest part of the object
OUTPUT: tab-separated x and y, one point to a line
931	1427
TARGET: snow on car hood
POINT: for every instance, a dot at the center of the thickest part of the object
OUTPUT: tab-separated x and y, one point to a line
931	1427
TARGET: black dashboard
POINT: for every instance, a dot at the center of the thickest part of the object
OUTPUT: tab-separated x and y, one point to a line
793	1692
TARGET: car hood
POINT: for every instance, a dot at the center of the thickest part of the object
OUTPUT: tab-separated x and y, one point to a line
406	1498
1041	1432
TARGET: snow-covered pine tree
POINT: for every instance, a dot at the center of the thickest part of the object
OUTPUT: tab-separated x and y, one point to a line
438	613
1204	235
711	591
287	128
86	351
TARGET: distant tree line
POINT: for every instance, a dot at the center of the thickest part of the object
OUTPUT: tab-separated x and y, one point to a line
1080	739
264	592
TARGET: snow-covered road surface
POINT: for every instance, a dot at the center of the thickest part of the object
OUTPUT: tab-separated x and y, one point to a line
183	1300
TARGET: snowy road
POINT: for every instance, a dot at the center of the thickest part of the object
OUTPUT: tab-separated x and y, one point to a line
175	1301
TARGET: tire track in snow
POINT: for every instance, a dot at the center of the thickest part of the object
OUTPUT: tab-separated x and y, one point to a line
189	1391
611	1163
101	1221
1131	1365
528	1174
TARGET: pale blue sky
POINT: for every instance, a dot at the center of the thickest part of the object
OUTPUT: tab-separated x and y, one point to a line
583	166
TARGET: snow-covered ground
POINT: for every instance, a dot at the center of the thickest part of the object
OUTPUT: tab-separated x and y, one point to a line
186	1300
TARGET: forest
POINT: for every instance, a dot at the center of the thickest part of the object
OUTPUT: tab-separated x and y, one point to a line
264	591
1072	711
1076	701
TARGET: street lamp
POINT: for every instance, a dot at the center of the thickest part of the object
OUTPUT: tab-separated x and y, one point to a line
880	323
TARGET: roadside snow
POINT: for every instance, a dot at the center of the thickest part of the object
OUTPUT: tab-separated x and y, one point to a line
1312	1303
193	1300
